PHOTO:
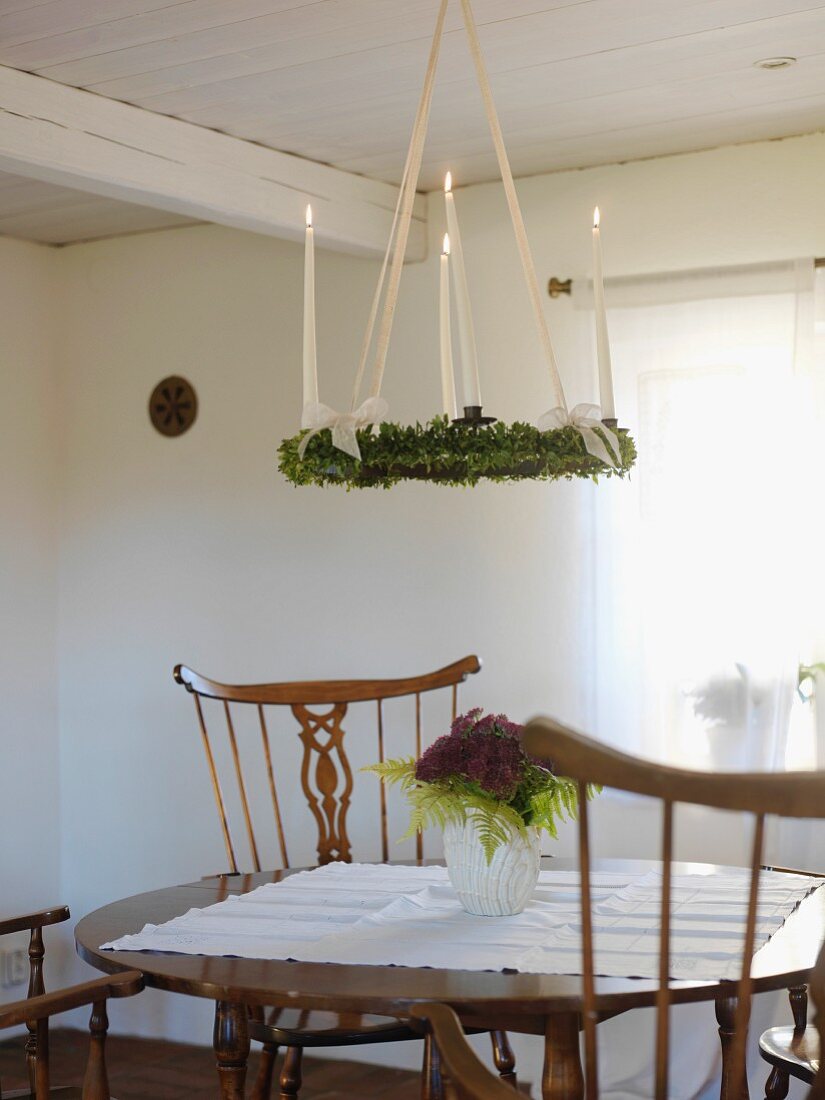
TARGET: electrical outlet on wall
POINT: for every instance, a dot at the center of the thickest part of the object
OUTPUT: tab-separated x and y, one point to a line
14	966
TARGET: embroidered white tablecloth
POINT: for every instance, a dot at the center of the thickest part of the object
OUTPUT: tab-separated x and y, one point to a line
410	916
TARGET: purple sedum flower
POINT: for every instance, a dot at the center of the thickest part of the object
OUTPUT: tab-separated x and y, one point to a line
483	749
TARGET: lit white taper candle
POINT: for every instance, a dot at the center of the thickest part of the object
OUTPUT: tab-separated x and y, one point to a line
445	335
606	400
310	358
466	333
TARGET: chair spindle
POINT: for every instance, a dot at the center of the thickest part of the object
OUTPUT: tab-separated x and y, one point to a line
37	953
743	1005
419	839
663	995
250	832
590	1057
216	787
272	788
382	787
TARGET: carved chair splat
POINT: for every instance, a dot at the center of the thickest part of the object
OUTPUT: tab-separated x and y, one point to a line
320	709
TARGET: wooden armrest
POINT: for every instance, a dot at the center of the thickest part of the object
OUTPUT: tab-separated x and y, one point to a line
63	1000
465	1070
34	920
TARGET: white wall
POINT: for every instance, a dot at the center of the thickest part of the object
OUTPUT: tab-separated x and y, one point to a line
29	765
196	550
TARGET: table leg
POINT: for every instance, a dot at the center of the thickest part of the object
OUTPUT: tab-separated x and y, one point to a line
562	1078
231	1043
726	1018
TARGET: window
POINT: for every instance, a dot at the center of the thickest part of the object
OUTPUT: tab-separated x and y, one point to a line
703	613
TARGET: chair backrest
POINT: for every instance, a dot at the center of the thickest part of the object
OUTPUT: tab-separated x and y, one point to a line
326	775
788	794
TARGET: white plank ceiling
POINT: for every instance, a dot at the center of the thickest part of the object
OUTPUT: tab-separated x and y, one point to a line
36	211
577	82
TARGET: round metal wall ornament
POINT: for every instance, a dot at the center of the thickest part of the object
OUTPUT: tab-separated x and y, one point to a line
173	406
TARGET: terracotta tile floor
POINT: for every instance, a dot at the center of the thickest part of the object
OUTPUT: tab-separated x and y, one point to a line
144	1069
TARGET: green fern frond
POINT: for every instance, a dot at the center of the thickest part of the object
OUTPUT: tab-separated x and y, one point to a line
491	828
457	800
558	801
433	805
399	772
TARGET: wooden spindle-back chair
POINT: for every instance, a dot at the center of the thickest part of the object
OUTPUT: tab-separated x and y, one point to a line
34	923
320	708
791	1050
818	995
796	795
785	795
38	1007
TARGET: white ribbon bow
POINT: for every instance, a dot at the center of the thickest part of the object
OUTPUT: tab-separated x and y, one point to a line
585	419
317	416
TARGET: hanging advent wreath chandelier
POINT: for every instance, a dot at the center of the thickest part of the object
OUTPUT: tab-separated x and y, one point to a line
362	448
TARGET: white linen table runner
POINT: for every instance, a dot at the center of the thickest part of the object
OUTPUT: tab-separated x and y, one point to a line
379	914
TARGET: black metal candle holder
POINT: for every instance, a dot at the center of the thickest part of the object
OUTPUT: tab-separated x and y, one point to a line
473	416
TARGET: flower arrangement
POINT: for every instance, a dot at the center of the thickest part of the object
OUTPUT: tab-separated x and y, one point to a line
480	772
448	454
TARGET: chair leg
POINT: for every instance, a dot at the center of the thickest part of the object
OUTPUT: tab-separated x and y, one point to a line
432	1084
291	1080
504	1058
777	1085
262	1089
798	996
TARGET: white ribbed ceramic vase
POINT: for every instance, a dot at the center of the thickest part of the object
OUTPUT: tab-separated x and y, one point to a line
500	888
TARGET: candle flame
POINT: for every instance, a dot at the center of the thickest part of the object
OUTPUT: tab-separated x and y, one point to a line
448	182
596	218
309	217
446	249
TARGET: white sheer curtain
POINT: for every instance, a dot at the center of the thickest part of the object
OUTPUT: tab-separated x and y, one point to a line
702	567
700	617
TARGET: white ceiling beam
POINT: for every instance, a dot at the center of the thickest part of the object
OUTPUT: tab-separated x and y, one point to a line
74	138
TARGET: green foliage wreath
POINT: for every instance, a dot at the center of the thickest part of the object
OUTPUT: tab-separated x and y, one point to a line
448	454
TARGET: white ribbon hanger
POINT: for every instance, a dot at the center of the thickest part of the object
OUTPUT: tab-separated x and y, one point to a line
317	416
585	419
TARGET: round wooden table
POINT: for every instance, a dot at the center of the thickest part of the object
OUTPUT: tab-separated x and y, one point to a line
536	1004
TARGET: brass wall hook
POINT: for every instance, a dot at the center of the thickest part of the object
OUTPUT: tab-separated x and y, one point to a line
557	287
